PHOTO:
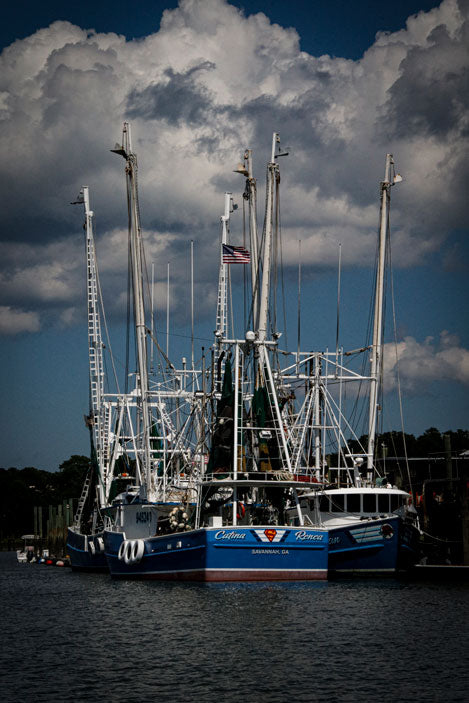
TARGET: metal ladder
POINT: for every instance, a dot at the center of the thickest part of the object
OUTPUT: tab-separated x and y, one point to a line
82	500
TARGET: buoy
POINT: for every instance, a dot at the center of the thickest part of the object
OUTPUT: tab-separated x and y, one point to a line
59	563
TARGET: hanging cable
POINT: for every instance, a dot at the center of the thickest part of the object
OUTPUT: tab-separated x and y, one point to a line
398	378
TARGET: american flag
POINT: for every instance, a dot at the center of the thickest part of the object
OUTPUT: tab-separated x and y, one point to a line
235	255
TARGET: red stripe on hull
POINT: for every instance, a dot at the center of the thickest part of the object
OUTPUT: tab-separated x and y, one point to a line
221	575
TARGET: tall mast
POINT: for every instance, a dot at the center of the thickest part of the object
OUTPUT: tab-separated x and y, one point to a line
221	330
252	193
272	172
98	418
222	301
136	261
377	343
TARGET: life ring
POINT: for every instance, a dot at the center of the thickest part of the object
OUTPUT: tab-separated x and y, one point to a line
100	543
91	548
241	511
120	554
387	531
138	548
128	553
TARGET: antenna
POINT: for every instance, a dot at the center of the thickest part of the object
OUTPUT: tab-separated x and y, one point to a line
152	311
167	313
338	304
299	307
192	303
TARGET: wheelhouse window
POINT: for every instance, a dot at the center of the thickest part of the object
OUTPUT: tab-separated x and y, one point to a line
395	502
337	504
383	503
369	503
353	503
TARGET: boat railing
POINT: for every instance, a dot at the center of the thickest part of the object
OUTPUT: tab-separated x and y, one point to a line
275	476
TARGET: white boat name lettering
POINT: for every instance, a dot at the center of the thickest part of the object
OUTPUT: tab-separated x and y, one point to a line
304	536
223	534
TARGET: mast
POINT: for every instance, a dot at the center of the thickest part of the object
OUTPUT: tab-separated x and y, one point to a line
136	261
98	417
251	187
251	183
250	194
222	300
377	343
222	279
272	172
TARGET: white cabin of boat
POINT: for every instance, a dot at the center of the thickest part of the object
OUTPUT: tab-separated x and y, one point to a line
340	506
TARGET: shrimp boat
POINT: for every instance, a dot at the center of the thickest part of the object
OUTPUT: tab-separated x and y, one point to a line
242	467
213	507
372	525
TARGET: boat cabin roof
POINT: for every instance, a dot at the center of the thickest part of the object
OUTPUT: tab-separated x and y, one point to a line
366	489
350	490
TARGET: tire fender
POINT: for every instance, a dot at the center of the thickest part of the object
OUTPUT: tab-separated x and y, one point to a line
120	554
138	550
128	552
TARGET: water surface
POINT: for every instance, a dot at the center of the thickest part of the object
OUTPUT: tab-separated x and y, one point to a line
81	637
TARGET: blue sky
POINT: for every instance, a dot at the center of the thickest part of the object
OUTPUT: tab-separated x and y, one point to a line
216	78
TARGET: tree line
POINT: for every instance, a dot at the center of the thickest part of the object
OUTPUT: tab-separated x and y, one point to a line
22	489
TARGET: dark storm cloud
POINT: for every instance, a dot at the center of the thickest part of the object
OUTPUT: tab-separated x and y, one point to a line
431	96
177	99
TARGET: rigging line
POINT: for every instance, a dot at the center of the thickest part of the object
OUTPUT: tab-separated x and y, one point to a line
398	378
153	317
262	246
106	329
282	269
249	315
245	290
329	405
381	360
230	296
129	288
153	338
365	359
299	308
396	453
192	303
358	416
273	319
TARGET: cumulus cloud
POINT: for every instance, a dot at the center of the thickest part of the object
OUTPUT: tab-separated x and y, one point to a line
208	84
419	364
13	321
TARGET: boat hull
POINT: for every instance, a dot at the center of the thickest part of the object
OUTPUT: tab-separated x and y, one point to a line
86	552
381	546
225	554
